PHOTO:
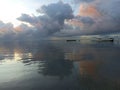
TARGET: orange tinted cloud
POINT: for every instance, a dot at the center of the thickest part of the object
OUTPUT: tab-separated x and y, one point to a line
18	29
88	11
22	28
6	28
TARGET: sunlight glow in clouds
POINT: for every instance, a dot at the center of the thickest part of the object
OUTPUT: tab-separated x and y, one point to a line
10	10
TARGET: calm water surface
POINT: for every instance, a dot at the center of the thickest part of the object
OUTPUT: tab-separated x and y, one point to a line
58	65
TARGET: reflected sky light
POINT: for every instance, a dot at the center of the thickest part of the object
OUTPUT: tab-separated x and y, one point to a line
58	63
17	56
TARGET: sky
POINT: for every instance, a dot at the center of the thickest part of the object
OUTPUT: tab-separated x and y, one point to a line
11	9
58	18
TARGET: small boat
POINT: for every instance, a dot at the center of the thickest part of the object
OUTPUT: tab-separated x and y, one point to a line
71	40
104	39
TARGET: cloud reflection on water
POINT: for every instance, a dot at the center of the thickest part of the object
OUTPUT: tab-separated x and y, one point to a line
95	65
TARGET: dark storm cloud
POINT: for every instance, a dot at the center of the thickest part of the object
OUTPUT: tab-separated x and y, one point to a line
57	11
52	18
51	21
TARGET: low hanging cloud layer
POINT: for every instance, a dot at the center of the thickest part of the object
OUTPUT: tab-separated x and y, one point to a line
6	30
21	32
59	19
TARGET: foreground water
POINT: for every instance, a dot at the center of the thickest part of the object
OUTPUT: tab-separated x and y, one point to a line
58	65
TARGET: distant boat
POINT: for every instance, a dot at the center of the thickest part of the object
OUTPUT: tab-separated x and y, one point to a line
71	40
104	39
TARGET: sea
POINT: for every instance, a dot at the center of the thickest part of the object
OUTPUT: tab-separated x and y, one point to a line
59	65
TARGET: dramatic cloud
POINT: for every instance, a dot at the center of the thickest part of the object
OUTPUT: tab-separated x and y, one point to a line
24	31
104	17
21	32
110	20
57	11
110	9
89	11
62	19
6	27
52	18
